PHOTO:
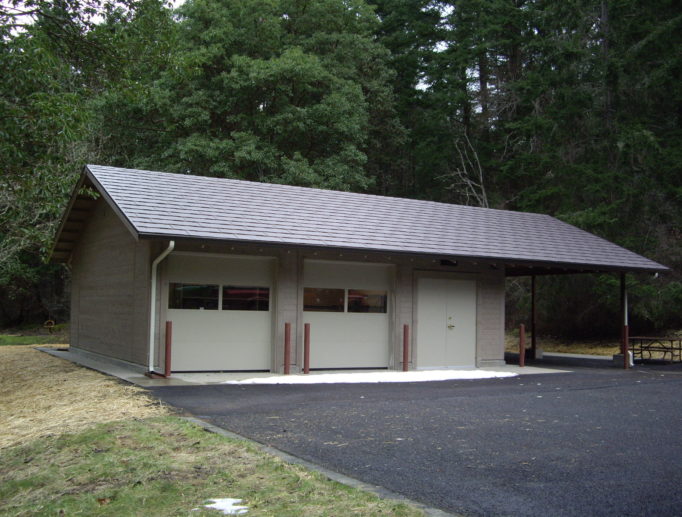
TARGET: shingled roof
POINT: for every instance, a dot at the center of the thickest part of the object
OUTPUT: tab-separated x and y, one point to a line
175	206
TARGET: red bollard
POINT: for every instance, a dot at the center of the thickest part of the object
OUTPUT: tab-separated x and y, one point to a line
406	347
169	342
287	348
306	348
522	345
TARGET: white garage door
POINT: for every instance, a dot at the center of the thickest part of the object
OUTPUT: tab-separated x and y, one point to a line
221	309
347	306
446	323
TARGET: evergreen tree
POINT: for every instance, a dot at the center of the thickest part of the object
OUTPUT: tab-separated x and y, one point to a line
279	91
567	108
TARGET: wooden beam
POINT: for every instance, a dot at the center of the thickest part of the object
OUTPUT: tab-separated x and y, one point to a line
73	226
68	236
83	203
61	256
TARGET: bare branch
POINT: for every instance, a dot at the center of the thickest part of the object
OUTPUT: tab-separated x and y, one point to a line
467	175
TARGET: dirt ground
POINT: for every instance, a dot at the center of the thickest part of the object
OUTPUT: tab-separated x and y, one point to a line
41	395
548	344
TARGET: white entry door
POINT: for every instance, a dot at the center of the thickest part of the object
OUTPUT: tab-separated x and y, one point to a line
446	323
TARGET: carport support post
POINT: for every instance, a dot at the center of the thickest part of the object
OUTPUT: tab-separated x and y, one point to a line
625	331
522	345
533	319
287	348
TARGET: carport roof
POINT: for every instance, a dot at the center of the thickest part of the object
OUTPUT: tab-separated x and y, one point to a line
175	206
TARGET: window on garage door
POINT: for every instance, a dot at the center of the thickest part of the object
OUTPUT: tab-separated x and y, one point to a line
241	298
193	296
323	300
317	299
366	300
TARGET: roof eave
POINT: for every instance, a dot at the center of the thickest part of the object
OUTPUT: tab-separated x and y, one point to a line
57	255
112	204
516	268
64	219
513	266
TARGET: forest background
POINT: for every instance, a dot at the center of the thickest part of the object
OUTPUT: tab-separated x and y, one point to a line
571	108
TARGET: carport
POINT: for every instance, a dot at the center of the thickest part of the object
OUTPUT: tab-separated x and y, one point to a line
533	272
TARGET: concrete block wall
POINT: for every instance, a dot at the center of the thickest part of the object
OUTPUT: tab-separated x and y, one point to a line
112	275
286	305
490	321
108	294
404	304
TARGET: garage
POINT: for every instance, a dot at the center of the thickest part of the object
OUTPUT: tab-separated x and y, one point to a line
237	268
348	307
221	309
446	322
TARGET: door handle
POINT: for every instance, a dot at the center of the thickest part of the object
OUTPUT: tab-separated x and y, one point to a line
451	326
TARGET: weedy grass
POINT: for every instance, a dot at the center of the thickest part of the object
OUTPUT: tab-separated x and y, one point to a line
17	339
547	344
166	466
140	460
42	395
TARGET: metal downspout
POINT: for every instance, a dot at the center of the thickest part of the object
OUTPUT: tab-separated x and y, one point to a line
152	311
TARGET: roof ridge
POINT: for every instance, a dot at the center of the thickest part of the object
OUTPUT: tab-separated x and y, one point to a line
314	189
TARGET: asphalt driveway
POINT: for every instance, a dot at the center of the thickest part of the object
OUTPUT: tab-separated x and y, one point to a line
590	442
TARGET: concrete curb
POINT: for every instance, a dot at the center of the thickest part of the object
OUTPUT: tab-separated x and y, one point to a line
377	490
554	360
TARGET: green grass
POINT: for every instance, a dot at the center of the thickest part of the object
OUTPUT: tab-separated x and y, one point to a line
13	339
162	467
35	335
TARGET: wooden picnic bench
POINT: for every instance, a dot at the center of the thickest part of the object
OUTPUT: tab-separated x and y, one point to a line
660	348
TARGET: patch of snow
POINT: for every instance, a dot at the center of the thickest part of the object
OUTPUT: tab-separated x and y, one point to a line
227	505
371	377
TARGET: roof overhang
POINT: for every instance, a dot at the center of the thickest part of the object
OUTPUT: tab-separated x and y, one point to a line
76	214
73	221
154	205
510	266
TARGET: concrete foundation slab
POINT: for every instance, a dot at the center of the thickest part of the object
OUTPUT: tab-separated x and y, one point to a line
135	373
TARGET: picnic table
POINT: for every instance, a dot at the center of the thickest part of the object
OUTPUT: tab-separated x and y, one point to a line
661	348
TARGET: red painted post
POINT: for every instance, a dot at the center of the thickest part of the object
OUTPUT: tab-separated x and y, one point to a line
306	348
406	347
287	348
522	345
169	342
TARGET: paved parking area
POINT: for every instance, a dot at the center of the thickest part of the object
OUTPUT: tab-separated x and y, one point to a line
589	442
